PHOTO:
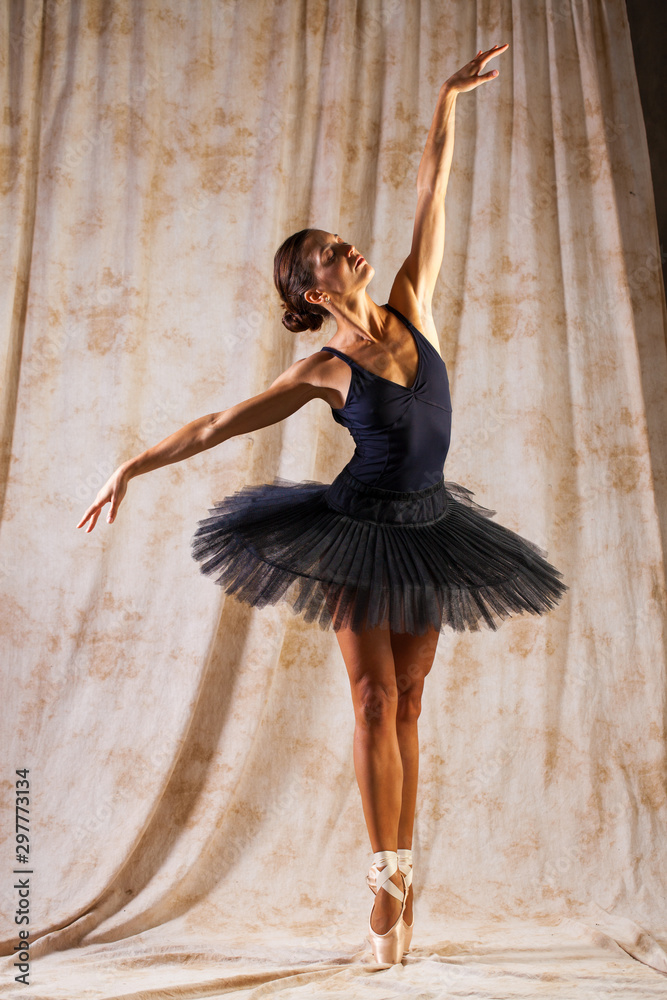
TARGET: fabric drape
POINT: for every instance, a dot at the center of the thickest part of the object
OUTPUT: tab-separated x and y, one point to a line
195	822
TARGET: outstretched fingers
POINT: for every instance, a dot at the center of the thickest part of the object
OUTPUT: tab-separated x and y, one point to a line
112	492
93	512
471	75
482	58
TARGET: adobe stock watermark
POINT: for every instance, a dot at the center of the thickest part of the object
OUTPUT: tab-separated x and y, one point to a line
76	152
564	10
543	195
29	27
52	348
160	420
492	421
240	333
617	647
196	202
97	820
369	28
556	868
651	265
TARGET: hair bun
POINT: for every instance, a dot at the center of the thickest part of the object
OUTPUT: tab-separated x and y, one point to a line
298	322
292	276
293	322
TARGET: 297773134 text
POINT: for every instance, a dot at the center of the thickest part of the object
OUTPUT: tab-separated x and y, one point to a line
22	884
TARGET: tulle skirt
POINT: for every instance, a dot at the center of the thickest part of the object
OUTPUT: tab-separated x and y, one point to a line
346	554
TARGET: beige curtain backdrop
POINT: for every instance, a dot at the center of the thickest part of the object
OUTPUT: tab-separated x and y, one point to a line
195	824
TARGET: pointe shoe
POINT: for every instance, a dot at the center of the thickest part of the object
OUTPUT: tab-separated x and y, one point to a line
387	948
405	868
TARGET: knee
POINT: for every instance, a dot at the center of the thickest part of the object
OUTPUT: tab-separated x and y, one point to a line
375	703
409	704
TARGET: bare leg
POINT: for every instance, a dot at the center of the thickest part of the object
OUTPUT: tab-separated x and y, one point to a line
377	759
413	659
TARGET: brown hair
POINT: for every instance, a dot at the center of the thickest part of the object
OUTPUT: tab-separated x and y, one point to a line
293	276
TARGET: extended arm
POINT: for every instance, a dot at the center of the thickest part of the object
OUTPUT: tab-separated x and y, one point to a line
294	387
415	281
285	396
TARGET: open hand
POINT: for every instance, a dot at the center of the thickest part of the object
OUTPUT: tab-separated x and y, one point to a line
470	75
112	492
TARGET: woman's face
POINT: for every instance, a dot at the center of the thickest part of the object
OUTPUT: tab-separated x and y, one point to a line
338	267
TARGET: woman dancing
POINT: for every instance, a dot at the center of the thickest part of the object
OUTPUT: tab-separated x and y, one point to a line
388	554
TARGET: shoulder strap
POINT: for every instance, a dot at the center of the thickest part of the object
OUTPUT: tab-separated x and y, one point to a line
340	354
403	318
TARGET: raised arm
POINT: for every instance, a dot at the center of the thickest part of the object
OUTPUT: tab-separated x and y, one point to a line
415	282
295	386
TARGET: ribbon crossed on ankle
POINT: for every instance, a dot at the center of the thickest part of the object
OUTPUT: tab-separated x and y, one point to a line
380	878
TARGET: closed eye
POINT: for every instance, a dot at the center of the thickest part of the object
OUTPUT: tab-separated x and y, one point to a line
328	257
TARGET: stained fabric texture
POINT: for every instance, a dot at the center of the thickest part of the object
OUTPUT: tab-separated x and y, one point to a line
195	822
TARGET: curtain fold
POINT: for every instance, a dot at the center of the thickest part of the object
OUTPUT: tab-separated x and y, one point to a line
195	819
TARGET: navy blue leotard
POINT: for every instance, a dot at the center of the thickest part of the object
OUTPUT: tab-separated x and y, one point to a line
401	433
388	543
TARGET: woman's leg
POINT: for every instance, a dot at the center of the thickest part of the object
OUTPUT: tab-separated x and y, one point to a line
377	759
413	659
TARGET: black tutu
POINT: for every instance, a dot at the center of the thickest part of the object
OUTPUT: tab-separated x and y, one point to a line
345	554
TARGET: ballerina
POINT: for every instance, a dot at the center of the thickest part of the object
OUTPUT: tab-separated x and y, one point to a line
388	554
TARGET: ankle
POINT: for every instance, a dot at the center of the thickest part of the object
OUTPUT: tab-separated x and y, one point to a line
404	858
382	858
385	874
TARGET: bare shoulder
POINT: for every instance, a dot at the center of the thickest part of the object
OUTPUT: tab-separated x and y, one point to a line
403	298
322	373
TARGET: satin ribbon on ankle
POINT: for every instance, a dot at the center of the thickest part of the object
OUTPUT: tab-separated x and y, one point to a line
405	864
383	877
